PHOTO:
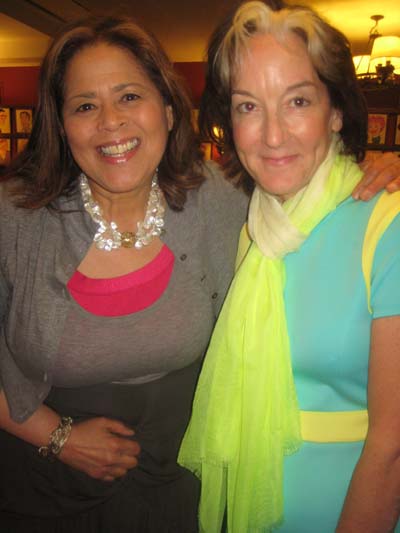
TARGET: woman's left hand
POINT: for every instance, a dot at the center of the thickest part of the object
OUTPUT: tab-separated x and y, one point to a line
380	173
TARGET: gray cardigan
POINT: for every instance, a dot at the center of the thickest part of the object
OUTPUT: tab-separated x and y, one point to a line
41	249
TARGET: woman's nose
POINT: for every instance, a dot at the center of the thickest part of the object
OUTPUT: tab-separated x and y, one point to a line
273	130
111	118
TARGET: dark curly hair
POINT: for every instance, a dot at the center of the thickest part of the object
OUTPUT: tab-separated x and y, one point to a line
330	54
46	169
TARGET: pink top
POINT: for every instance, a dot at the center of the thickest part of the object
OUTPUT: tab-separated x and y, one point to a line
126	294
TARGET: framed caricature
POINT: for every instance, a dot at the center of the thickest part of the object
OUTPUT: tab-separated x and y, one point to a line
5	121
15	129
21	143
5	150
23	120
397	131
377	124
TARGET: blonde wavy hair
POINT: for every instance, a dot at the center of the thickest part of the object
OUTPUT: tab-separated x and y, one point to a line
256	17
330	54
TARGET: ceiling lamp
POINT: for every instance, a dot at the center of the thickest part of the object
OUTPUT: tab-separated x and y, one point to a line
361	64
382	62
386	51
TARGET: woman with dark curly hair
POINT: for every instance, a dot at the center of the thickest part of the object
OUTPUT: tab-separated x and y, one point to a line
296	424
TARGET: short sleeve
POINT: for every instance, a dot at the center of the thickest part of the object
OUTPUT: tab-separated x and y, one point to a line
385	280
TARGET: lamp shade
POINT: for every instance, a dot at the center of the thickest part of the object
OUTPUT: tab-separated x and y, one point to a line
386	49
361	64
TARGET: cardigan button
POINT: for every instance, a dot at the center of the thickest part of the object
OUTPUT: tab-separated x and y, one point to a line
183	257
215	295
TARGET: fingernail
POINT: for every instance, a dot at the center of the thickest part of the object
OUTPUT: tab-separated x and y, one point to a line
366	195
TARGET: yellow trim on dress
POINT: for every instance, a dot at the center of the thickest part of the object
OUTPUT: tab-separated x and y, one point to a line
334	426
386	208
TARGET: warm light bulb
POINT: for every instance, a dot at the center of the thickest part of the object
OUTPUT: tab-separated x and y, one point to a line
217	132
386	49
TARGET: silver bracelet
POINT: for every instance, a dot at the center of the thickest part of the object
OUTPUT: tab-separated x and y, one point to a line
57	439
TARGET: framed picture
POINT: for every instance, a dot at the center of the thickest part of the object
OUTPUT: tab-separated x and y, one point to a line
5	150
23	120
397	131
21	143
5	122
377	124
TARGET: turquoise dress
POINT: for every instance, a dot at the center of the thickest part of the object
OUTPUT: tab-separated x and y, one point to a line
329	328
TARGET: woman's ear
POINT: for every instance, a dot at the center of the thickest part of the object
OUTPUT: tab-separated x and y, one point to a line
336	120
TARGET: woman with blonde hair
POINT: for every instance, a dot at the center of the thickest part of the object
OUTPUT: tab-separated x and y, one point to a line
296	424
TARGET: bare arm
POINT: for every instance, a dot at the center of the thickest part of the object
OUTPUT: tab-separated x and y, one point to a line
381	173
372	504
99	447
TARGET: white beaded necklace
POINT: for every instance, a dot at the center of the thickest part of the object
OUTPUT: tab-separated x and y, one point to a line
108	237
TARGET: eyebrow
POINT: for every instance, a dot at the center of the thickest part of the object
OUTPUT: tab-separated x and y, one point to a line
293	87
116	89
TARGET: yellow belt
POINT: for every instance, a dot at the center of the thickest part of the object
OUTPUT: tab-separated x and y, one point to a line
334	426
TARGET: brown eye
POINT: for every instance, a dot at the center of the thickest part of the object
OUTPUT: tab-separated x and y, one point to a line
130	97
246	107
84	107
300	102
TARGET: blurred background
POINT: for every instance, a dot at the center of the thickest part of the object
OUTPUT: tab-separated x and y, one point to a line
183	27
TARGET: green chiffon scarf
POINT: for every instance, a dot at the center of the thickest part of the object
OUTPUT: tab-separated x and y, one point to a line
245	415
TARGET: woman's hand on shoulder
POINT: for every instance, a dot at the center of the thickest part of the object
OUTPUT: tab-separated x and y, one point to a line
102	448
380	173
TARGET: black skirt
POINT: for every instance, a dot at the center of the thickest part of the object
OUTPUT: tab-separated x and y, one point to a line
158	496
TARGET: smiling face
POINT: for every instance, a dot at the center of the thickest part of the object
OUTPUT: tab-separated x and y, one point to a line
281	114
115	120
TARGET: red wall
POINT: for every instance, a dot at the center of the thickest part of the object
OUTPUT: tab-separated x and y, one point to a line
18	85
193	73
